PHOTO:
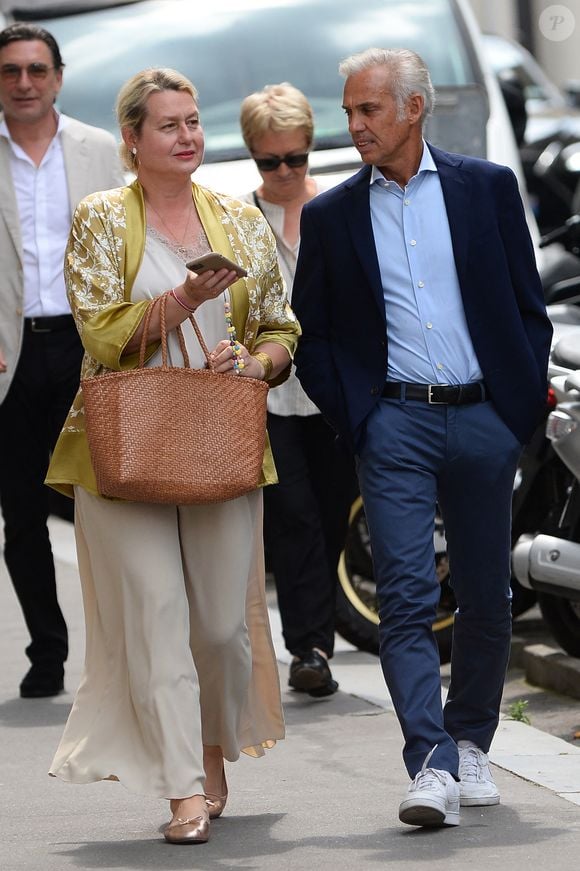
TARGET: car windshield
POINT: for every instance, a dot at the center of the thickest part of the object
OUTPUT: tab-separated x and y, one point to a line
230	48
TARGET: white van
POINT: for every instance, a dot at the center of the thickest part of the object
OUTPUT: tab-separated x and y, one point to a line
230	48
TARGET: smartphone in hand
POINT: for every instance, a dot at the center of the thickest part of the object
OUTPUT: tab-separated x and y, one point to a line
215	261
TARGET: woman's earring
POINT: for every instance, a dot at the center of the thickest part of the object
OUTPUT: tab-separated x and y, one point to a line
134	150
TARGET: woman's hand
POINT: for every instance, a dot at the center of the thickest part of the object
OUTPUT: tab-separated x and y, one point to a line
195	290
222	358
198	288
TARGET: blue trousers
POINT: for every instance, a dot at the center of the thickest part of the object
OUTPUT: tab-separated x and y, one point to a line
413	455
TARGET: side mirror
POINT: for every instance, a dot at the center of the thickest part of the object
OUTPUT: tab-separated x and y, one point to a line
515	100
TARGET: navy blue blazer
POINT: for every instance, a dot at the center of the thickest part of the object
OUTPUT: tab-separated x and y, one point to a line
337	295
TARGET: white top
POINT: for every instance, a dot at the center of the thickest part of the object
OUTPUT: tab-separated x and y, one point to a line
45	219
161	269
289	398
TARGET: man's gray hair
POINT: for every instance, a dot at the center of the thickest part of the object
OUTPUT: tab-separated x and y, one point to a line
408	74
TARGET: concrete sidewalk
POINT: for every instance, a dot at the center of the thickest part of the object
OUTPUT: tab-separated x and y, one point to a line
325	798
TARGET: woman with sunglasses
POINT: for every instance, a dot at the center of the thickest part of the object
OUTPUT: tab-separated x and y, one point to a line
306	513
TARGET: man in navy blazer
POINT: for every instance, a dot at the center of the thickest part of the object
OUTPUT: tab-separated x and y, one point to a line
425	343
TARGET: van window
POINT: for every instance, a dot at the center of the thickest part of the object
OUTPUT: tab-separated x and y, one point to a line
230	48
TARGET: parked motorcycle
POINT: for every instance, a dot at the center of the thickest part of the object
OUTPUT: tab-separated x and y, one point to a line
549	561
552	171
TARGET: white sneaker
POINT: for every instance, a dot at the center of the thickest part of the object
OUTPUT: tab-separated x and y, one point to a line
477	787
432	799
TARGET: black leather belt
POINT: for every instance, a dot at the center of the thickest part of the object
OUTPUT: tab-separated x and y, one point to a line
49	325
437	394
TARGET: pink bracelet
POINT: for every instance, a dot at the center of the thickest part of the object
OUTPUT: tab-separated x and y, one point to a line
184	305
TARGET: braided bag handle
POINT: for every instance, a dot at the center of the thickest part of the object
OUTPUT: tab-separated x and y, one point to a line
162	300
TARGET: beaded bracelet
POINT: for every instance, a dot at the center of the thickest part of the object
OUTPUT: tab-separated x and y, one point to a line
266	362
234	344
184	305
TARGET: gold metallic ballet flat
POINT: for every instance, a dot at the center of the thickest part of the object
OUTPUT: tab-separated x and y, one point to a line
191	831
216	803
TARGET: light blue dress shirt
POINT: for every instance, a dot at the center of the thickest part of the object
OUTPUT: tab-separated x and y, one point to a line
428	339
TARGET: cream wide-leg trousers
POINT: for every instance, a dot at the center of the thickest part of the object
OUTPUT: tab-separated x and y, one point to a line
178	645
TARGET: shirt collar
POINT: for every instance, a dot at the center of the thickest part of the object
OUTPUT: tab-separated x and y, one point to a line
62	123
427	164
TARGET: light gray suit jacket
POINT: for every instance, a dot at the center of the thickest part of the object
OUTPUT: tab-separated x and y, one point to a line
91	163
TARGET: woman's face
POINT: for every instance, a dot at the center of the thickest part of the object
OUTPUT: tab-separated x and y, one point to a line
170	141
285	182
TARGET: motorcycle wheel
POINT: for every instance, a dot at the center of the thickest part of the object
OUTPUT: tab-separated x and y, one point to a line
563	619
357	617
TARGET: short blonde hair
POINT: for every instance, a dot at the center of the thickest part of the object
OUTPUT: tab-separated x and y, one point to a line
276	107
131	105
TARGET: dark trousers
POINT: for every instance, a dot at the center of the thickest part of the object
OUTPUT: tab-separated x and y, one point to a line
31	417
413	455
306	518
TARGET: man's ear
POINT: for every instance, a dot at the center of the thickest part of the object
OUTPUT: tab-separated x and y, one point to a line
415	106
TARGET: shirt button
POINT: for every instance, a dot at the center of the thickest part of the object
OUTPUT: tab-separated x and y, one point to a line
375	391
407	202
440	366
429	325
420	284
413	242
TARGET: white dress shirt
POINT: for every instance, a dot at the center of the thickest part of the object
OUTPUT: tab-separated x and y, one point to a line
45	220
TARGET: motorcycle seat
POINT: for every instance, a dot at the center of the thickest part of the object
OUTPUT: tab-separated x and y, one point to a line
566	352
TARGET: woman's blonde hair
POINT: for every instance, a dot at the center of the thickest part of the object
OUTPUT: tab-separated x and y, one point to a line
276	107
131	105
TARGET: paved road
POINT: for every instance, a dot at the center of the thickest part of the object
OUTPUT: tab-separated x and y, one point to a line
325	798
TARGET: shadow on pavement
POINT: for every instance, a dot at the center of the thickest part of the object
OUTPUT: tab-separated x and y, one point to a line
33	713
247	840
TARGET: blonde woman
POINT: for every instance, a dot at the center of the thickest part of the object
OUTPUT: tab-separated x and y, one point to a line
306	512
180	672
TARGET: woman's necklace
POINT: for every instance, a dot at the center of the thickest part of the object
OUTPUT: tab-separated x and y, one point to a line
182	249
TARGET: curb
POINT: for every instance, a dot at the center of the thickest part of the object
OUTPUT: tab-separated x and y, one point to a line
552	670
546	667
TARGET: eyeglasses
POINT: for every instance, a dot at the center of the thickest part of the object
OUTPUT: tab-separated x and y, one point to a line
269	164
11	73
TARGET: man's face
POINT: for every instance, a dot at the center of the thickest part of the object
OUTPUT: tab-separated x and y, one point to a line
381	137
28	97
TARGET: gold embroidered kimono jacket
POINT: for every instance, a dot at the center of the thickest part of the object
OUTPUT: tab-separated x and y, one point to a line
102	259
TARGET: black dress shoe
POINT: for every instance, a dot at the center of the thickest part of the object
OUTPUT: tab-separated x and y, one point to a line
39	683
311	674
327	689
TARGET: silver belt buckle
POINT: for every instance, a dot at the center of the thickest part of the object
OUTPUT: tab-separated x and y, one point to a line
430	399
36	329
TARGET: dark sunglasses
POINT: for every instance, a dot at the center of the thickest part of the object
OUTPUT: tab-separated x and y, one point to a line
269	164
12	72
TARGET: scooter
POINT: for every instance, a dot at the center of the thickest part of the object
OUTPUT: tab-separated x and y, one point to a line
549	561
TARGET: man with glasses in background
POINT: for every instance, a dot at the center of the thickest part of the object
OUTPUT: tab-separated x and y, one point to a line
48	162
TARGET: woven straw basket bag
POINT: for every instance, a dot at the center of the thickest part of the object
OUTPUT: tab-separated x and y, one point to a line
175	435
